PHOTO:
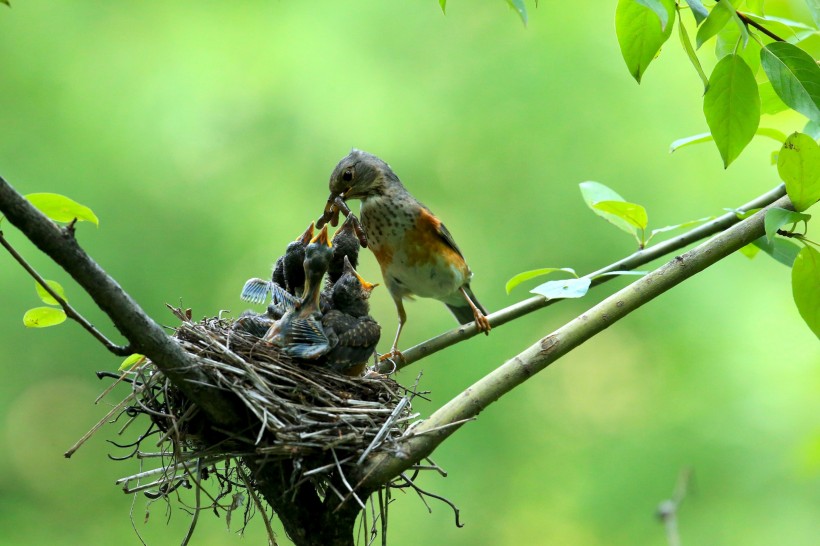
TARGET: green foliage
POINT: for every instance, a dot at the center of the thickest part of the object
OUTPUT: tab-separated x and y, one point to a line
721	14
798	164
732	106
641	33
795	77
48	298
806	287
520	8
62	209
698	11
707	137
690	52
634	215
134	360
776	218
527	275
629	217
43	317
780	249
563	289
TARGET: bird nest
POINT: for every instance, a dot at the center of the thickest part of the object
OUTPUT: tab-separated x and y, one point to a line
326	424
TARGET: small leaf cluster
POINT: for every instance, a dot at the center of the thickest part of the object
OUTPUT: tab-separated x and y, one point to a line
629	217
64	210
736	93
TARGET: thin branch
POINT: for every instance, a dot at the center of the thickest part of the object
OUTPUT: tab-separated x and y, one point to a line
119	350
748	21
382	467
633	261
144	334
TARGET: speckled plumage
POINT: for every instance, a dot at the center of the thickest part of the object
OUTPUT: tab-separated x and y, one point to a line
416	252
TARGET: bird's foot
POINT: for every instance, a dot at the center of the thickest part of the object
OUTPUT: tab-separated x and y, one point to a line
394	357
482	323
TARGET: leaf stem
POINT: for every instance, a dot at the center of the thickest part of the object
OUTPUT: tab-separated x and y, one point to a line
119	350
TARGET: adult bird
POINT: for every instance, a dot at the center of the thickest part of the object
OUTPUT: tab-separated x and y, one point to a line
417	254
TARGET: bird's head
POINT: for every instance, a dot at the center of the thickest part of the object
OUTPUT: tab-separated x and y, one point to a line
359	175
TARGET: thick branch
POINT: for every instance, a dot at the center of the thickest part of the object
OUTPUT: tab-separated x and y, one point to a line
433	431
145	336
631	262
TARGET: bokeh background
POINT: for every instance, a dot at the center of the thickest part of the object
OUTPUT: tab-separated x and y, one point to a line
203	134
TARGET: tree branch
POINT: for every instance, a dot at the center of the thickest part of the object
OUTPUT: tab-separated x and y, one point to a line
628	263
146	336
433	431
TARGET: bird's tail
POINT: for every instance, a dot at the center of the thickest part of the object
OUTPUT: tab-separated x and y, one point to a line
463	312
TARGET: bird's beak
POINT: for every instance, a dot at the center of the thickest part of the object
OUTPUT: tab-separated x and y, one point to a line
322	238
307	235
368	287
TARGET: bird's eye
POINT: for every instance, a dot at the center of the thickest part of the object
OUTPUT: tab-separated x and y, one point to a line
347	176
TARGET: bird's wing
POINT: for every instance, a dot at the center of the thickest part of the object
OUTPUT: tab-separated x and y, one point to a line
357	332
256	290
445	235
281	297
307	339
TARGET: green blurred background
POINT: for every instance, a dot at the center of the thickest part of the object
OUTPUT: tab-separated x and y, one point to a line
203	134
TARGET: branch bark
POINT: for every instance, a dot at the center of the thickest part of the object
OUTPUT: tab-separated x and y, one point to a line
444	422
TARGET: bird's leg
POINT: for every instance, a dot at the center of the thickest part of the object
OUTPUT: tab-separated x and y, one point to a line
481	321
394	352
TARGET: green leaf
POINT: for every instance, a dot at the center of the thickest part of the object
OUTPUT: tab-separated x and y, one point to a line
795	77
770	103
633	213
698	11
782	250
750	250
6	2
60	208
595	192
798	164
776	218
714	23
520	8
48	298
133	360
812	129
814	8
707	137
640	33
806	287
43	317
732	39
658	8
443	4
688	141
565	289
690	52
743	214
732	106
527	275
683	225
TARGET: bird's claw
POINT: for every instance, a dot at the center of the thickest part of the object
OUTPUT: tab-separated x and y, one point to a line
482	323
